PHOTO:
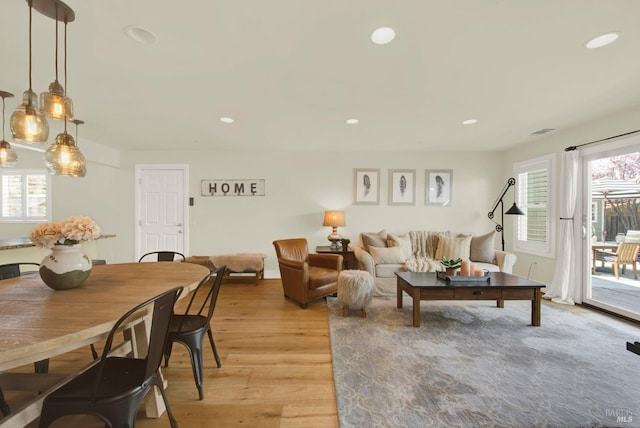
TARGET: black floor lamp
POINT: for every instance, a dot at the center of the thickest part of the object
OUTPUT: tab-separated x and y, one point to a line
514	210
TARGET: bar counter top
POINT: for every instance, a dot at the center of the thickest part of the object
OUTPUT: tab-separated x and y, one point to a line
12	243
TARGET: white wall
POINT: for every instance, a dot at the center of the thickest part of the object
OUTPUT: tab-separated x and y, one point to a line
300	185
556	142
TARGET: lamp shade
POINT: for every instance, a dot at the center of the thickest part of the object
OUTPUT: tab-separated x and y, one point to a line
27	123
64	158
334	219
514	210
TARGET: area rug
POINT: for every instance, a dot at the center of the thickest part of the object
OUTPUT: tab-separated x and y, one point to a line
471	364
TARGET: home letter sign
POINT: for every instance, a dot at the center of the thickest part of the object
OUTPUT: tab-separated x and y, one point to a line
248	187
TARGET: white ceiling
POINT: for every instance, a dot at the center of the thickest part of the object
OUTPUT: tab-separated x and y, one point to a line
290	72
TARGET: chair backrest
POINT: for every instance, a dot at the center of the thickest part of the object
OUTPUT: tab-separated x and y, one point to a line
292	249
160	319
163	256
12	270
209	303
627	252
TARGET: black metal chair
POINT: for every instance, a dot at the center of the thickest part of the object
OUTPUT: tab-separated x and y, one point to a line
163	256
4	407
114	387
12	270
190	328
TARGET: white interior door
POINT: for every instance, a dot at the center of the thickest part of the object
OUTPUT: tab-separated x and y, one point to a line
161	208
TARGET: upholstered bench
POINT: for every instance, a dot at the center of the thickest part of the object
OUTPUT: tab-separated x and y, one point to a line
239	263
355	289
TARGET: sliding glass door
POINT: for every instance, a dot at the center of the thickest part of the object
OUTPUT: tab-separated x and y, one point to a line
611	227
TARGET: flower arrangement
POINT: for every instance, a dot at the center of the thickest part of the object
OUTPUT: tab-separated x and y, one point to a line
70	231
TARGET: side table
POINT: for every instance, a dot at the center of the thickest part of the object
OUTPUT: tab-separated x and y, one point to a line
349	258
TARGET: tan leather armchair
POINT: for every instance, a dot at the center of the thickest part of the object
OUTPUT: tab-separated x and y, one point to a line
306	277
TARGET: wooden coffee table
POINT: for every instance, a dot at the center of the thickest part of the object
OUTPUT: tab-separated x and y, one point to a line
500	287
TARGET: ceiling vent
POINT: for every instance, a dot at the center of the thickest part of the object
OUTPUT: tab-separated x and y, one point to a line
542	131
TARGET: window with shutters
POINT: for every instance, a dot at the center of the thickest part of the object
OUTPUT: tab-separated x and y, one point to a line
535	230
25	196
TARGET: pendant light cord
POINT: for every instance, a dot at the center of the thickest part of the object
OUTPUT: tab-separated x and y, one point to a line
2	118
56	41
65	55
30	19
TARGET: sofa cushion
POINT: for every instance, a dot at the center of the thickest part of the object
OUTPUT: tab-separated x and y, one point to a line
402	241
389	270
374	239
387	255
483	248
486	266
452	248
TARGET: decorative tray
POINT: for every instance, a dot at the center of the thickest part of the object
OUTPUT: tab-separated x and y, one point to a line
458	278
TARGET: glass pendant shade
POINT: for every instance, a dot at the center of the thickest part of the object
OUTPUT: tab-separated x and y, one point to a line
55	104
8	157
27	122
64	158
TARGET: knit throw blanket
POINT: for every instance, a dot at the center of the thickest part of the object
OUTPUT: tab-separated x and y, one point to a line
424	244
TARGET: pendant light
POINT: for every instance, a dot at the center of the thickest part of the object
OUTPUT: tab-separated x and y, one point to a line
54	103
27	123
8	157
63	156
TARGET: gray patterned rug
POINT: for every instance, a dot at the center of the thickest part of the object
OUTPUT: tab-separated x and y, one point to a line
471	364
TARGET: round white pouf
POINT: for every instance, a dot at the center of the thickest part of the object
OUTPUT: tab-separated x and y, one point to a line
355	289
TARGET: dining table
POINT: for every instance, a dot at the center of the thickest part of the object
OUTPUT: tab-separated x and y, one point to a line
38	323
609	247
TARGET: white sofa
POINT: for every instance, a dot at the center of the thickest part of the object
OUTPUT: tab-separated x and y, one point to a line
382	254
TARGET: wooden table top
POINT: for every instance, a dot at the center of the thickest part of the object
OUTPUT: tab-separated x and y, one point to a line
37	322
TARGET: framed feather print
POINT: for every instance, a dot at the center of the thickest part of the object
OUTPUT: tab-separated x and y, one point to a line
439	187
367	186
402	186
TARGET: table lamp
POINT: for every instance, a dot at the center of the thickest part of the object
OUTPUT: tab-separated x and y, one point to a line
334	219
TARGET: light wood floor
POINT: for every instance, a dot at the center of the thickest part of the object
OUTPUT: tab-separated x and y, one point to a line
276	366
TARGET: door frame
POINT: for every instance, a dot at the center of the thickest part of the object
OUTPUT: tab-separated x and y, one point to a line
583	239
139	169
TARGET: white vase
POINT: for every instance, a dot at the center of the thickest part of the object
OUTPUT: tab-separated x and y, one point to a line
66	267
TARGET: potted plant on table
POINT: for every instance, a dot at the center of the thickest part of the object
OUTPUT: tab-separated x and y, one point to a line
451	265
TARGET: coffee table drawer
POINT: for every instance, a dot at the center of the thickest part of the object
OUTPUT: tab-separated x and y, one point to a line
517	294
478	293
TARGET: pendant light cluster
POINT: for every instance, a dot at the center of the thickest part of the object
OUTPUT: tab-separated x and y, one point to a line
29	121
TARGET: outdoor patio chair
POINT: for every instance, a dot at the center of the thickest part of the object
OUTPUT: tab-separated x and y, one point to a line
114	387
12	270
626	254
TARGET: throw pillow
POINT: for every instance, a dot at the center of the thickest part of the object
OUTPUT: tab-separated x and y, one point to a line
452	248
633	236
387	255
374	239
402	241
483	248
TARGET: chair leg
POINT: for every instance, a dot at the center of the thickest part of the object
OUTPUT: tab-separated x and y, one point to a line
616	270
213	346
158	383
4	406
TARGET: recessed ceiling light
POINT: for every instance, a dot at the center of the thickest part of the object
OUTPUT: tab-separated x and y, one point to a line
352	121
601	40
469	121
140	35
383	35
226	119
